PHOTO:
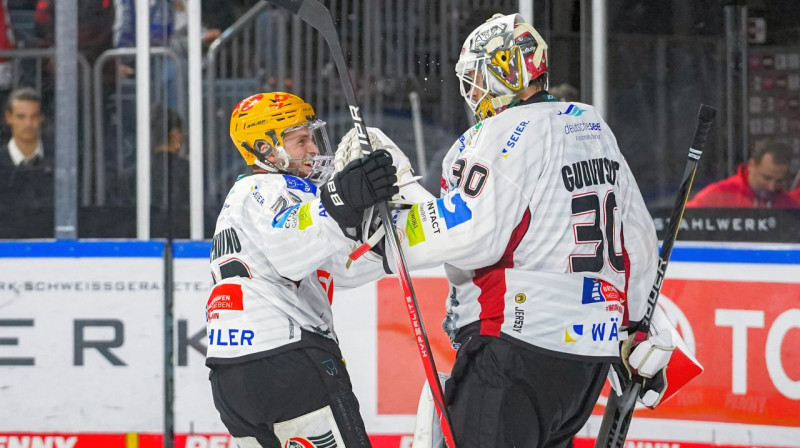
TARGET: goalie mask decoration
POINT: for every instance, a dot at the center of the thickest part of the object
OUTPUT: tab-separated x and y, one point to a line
279	133
498	60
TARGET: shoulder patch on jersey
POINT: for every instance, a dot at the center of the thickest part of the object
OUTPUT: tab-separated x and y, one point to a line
287	219
512	140
454	211
256	195
295	183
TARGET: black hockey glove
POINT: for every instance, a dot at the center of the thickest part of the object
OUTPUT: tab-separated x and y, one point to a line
361	184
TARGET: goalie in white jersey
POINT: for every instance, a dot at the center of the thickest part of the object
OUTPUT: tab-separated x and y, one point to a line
277	374
547	244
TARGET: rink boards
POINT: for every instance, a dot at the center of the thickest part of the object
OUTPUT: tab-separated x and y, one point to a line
82	347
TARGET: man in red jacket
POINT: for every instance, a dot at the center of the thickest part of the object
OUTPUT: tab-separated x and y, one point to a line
758	183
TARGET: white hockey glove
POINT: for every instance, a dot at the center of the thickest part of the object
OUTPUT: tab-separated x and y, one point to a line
682	366
410	190
645	355
650	394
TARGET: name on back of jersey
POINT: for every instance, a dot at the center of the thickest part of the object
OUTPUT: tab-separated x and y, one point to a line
589	172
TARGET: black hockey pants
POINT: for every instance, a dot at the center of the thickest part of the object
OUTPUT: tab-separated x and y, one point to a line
502	395
253	396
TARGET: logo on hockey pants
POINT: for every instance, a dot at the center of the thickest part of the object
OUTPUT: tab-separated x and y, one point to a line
324	441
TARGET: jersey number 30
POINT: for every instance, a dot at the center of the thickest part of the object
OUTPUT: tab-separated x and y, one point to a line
602	232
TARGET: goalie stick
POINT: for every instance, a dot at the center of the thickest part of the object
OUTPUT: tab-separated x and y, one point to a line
317	15
619	411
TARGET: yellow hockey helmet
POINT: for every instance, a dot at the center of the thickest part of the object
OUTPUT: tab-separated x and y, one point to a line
260	123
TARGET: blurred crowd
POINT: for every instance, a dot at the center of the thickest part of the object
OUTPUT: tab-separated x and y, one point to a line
767	180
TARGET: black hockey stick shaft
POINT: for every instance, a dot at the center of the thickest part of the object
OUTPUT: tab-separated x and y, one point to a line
619	411
317	15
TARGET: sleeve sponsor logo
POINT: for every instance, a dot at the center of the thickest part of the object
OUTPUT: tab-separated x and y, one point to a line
295	183
287	219
304	217
414	229
454	211
429	216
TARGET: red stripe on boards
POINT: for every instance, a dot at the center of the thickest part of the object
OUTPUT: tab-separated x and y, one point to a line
491	280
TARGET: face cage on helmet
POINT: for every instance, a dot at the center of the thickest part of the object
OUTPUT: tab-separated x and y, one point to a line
468	71
321	164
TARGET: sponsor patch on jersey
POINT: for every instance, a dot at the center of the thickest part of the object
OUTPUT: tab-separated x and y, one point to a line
573	110
414	230
514	138
573	333
257	195
287	219
224	297
304	217
295	183
230	336
454	211
596	291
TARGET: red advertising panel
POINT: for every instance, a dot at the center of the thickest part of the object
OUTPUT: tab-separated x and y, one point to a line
746	335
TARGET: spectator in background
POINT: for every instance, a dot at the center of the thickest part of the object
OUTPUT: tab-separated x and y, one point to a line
24	119
169	174
94	37
26	170
758	183
94	32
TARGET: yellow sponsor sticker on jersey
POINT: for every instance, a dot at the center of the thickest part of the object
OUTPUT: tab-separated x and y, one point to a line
305	217
414	227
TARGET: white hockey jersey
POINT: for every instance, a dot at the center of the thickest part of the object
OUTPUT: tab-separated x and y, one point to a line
275	259
544	234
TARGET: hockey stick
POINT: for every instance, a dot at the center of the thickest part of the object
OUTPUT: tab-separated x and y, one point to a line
618	414
317	15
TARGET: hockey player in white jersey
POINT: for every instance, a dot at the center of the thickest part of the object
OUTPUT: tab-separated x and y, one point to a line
277	375
547	244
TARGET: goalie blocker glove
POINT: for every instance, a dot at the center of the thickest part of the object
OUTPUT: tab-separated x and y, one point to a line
361	184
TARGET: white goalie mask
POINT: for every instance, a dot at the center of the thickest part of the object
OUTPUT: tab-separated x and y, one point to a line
498	60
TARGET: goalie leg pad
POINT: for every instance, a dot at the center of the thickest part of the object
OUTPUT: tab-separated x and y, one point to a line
428	427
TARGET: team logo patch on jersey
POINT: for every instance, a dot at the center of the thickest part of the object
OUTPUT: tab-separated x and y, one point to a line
573	110
287	219
573	334
414	229
295	183
596	291
454	211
